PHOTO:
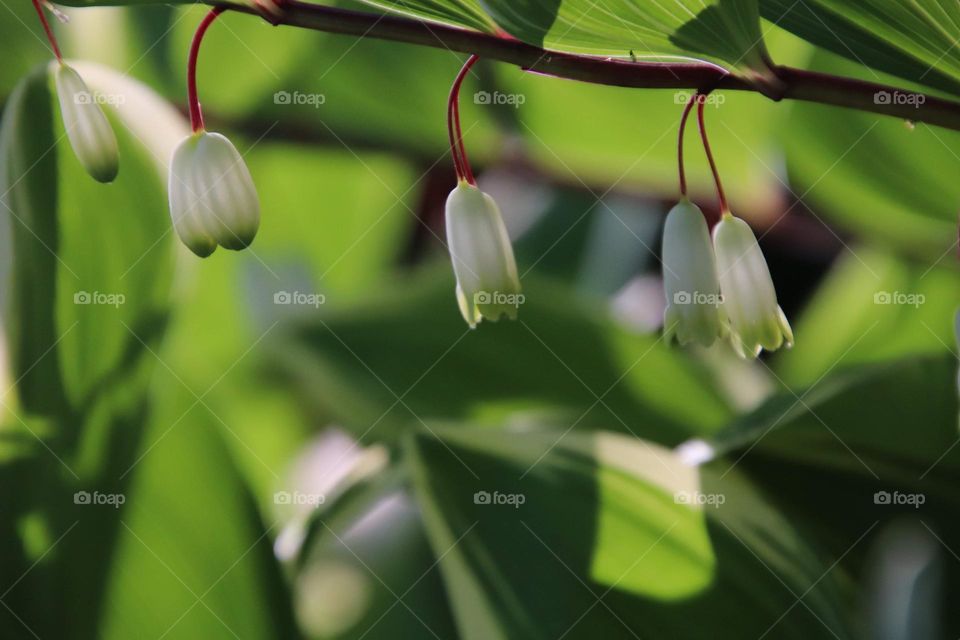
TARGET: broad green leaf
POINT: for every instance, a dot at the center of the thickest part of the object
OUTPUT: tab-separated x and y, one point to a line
724	31
602	535
872	306
464	13
727	31
859	420
859	449
873	175
92	262
213	580
406	355
914	40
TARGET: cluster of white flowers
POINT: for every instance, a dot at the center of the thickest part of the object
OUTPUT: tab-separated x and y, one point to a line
721	289
715	290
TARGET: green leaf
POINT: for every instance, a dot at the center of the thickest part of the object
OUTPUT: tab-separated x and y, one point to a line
205	581
590	535
860	449
727	31
914	40
724	31
891	183
856	420
464	13
872	307
406	355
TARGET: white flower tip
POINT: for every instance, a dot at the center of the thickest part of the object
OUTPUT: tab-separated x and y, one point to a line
468	311
213	201
785	328
87	128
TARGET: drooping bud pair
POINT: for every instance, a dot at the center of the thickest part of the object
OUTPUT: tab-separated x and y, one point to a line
88	130
723	289
212	197
487	282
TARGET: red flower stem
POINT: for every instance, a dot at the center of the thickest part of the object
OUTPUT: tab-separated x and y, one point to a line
713	165
48	30
461	163
196	117
683	125
453	142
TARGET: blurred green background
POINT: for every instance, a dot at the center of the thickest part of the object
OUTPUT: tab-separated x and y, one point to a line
317	470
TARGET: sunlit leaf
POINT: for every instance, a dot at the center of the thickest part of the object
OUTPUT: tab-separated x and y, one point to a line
533	530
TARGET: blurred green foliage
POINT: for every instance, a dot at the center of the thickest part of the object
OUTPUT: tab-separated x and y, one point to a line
199	399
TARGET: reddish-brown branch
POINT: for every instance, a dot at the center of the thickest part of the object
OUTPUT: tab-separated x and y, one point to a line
794	84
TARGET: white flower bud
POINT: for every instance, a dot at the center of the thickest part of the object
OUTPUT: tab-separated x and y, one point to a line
212	197
487	282
690	282
749	298
88	130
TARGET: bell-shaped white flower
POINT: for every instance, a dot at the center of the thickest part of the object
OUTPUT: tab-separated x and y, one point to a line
487	282
212	197
749	298
693	312
88	130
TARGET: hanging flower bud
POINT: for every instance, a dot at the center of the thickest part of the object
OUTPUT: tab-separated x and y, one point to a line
88	130
487	281
212	197
749	298
690	282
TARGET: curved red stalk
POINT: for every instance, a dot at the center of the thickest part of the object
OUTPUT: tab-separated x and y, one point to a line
460	162
713	165
47	30
196	117
683	125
